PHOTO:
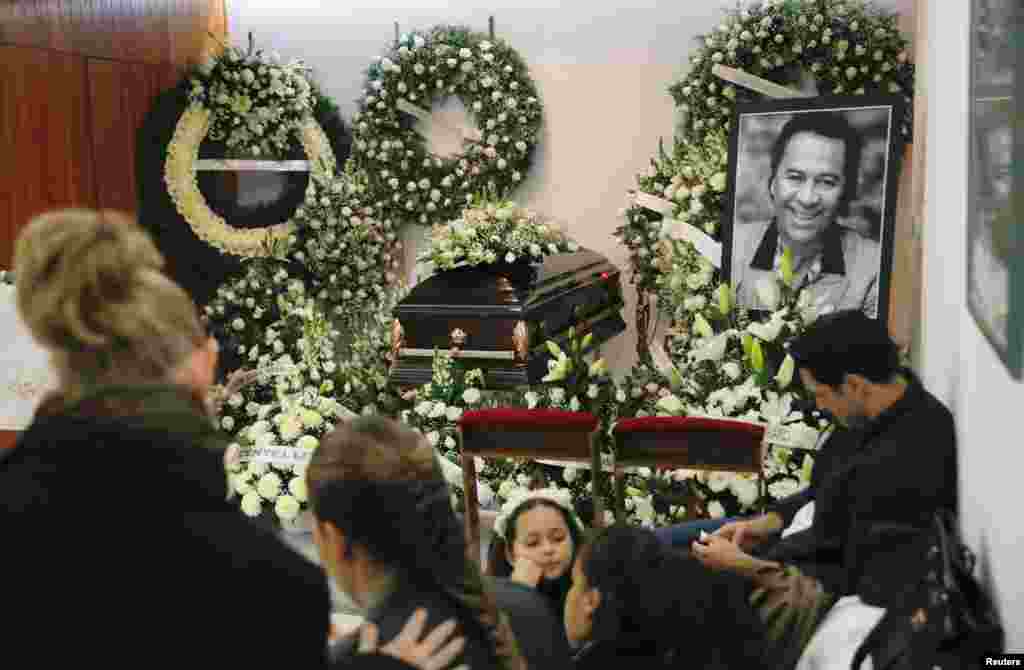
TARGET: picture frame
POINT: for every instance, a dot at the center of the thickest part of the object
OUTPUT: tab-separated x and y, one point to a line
819	147
995	271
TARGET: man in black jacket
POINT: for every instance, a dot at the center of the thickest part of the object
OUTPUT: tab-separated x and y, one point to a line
892	461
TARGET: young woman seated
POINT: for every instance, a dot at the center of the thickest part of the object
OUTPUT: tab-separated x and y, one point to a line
536	538
634	600
388	536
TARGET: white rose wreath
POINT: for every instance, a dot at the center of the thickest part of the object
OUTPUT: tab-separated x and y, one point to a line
255	105
422	69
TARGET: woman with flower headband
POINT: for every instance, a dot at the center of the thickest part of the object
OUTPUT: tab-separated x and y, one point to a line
387	534
536	538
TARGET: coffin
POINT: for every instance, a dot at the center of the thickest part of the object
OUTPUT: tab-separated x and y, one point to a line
499	316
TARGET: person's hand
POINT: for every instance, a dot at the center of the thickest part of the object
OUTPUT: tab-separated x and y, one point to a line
718	553
426	654
748	533
526	572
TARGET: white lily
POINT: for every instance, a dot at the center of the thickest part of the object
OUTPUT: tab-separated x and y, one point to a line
768	293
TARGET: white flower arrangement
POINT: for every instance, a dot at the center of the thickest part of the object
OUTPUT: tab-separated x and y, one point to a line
254	102
292	404
351	253
257	107
849	47
495	232
490	78
180	177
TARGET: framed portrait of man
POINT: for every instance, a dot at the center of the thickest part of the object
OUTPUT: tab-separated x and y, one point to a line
817	177
995	273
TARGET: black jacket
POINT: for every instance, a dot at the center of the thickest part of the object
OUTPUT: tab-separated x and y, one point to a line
121	550
900	469
394	611
540	634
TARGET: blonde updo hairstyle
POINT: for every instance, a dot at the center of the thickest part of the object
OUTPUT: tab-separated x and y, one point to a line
90	288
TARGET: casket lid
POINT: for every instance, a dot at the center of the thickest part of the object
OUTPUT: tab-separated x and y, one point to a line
506	289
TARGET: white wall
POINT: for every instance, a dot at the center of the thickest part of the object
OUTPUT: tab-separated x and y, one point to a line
957	362
602	68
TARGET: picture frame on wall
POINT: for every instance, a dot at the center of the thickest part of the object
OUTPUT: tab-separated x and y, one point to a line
995	273
819	176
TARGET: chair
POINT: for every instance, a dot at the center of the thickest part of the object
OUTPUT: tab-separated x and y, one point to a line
523	433
695	443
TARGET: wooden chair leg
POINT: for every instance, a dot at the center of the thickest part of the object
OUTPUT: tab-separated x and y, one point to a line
596	475
472	512
620	495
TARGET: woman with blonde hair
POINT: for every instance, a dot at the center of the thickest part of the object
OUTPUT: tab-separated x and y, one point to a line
114	507
387	534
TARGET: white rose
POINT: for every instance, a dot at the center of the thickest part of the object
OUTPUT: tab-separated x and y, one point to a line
732	370
453	413
557	394
424	408
252	505
269	486
506	488
227	423
238	324
569	474
290	428
287	507
240	483
471	396
532	398
670	404
297	487
438	410
715	510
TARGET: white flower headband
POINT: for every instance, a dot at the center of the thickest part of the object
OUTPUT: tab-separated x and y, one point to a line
560	497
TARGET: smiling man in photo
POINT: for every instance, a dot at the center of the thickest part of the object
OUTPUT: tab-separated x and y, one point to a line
815	164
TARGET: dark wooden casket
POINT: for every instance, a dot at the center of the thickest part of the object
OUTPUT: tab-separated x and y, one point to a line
500	316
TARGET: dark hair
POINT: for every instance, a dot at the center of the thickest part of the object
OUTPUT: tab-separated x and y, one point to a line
831	125
658	599
380	484
497	563
846	342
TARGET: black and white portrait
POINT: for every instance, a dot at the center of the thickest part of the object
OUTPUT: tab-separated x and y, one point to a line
816	177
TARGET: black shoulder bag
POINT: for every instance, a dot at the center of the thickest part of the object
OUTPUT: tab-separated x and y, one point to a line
941	620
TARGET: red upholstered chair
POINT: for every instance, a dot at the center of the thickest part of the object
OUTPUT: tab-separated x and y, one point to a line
695	443
523	433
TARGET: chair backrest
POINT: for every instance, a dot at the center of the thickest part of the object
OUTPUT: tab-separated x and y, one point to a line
528	433
690	442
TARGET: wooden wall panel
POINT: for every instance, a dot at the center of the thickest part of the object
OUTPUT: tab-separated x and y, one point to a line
120	96
134	31
44	127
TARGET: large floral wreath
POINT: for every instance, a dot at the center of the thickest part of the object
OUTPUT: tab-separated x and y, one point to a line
490	78
190	121
253	105
846	46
